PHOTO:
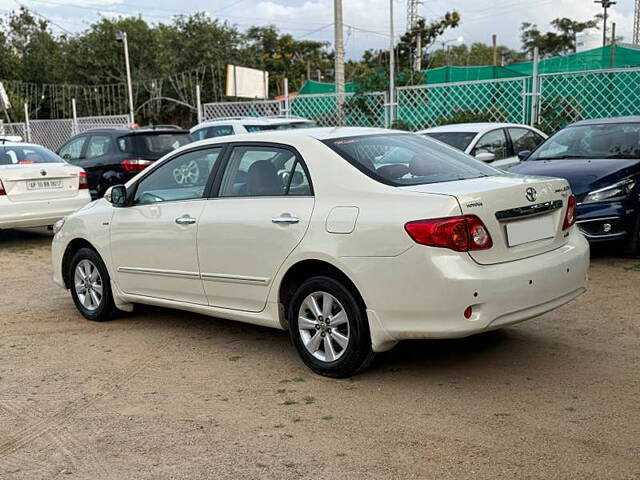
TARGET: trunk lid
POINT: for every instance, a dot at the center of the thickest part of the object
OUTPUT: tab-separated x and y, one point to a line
39	181
520	227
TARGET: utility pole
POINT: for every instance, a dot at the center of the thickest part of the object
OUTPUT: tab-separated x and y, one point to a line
612	52
339	47
494	42
636	24
606	4
122	37
412	22
392	66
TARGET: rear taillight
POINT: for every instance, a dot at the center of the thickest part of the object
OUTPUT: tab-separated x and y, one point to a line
570	214
83	184
132	165
463	233
2	190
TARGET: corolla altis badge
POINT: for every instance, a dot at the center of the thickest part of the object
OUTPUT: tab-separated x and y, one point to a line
531	194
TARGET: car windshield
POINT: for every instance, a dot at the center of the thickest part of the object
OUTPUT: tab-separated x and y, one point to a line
408	159
607	140
459	140
26	154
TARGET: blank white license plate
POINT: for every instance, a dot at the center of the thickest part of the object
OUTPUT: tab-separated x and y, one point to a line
43	184
530	230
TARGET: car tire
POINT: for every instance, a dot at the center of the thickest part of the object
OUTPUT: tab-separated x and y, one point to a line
329	328
632	247
90	286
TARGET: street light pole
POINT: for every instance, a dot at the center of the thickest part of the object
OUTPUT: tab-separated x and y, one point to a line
392	67
122	37
605	5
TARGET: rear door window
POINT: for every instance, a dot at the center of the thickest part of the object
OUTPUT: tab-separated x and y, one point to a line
494	142
98	146
524	139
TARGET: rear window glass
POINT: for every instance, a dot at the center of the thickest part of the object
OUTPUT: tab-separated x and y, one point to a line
459	140
25	155
153	145
408	159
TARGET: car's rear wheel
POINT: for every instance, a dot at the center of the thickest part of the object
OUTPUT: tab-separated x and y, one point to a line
329	328
632	247
90	286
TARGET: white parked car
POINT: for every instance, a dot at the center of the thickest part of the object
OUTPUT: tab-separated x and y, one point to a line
222	127
37	187
495	143
312	231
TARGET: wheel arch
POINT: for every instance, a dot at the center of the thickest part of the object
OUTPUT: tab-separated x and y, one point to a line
300	271
72	247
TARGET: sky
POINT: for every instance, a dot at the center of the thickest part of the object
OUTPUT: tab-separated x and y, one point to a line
366	21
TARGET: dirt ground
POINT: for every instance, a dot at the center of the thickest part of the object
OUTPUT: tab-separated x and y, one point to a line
163	394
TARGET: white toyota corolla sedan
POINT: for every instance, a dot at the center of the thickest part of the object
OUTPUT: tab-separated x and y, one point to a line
37	187
352	239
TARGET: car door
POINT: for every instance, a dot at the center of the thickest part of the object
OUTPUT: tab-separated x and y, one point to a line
495	143
260	214
153	240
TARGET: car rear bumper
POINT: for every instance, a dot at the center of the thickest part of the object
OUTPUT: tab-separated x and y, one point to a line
424	292
39	213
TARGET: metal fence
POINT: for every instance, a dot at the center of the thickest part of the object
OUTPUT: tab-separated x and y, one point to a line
53	133
328	109
427	106
565	98
254	108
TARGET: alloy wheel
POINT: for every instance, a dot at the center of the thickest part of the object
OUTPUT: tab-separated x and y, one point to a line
88	284
323	326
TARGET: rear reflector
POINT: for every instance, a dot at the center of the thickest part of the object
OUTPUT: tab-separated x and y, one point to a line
2	190
132	165
570	215
468	312
83	184
462	233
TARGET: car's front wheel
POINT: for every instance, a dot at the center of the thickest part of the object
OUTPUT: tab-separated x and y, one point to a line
91	287
329	328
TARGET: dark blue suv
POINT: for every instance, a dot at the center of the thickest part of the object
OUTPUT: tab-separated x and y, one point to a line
601	160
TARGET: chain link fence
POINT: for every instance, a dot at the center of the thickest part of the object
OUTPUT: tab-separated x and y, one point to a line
254	108
13	129
53	133
349	109
427	106
569	97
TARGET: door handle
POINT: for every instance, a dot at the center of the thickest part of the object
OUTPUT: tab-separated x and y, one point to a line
185	220
285	219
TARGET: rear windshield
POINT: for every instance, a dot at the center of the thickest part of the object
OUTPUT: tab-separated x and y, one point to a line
459	140
408	159
153	145
25	155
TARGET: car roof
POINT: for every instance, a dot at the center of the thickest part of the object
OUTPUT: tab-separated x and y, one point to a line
471	127
134	131
610	120
250	120
21	144
318	133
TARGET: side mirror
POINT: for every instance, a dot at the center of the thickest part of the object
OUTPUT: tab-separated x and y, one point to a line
485	157
523	155
116	195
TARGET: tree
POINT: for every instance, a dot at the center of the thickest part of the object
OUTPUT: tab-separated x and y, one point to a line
560	42
476	54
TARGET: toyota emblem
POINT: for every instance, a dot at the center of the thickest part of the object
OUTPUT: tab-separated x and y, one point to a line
43	173
531	194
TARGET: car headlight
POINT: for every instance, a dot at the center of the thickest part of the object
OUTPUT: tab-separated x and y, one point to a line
617	191
58	225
